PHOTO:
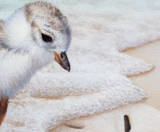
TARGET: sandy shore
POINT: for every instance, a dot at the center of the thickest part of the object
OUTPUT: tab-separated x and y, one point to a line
144	115
150	81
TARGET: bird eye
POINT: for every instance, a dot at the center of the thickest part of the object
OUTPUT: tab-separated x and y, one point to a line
46	38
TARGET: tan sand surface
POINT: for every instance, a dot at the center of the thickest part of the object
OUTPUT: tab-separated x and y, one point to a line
142	118
150	81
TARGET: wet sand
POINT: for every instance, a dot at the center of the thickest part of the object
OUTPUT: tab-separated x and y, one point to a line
149	81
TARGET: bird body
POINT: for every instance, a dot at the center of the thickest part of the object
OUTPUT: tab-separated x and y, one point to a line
32	37
16	69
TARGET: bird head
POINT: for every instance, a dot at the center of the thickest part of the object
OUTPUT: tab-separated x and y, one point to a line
41	25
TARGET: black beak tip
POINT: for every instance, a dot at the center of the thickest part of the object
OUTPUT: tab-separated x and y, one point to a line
68	69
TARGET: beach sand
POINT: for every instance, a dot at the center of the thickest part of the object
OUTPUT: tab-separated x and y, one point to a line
150	81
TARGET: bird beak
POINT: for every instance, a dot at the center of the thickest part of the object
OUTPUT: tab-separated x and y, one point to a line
62	59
